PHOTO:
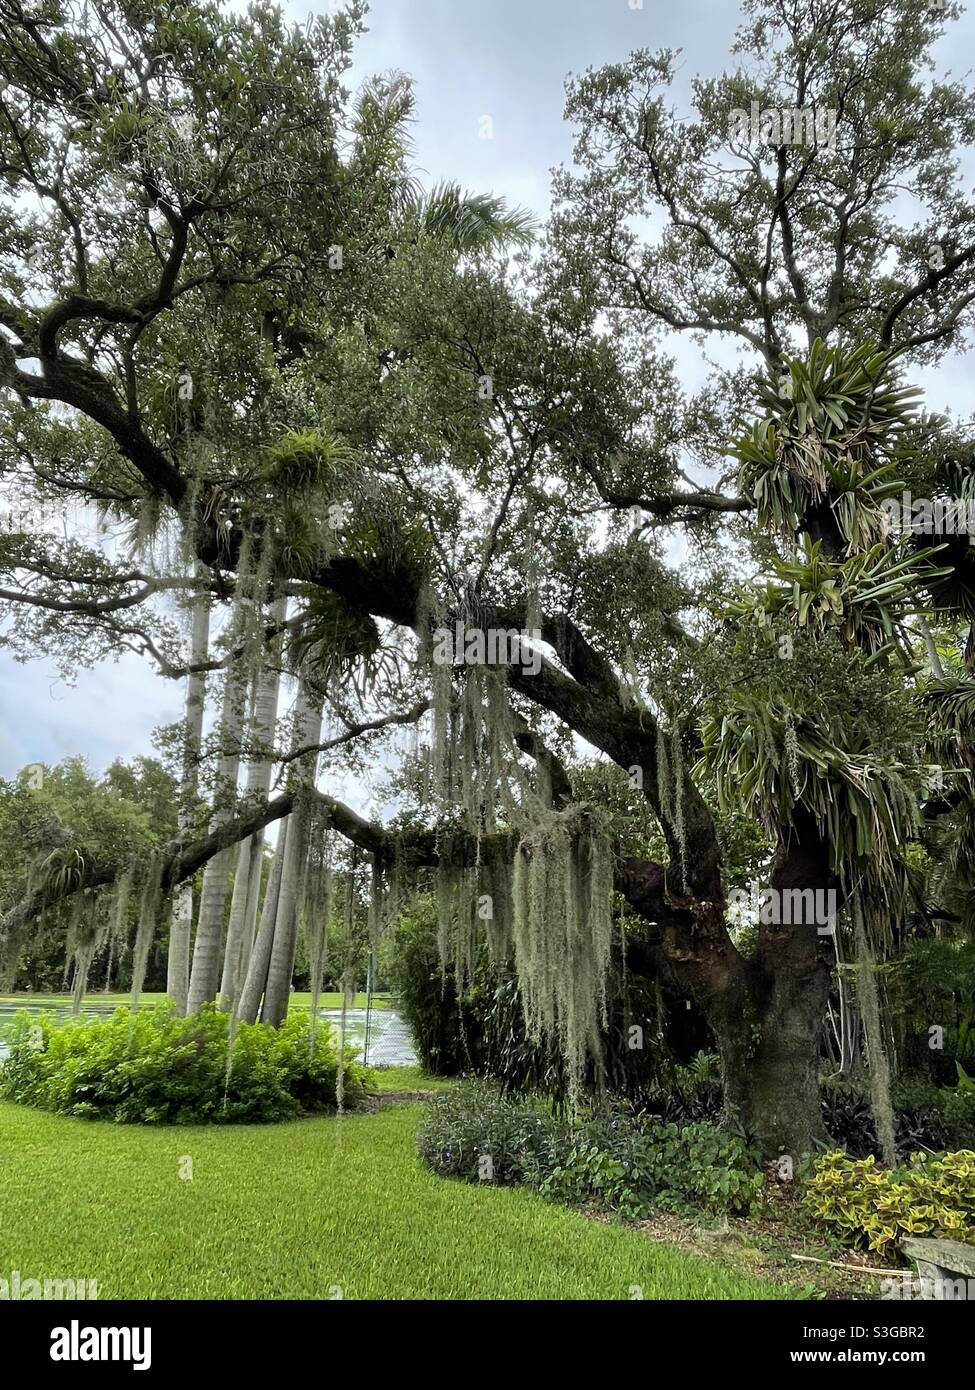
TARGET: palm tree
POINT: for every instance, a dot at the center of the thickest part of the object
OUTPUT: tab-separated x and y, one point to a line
181	923
244	899
281	964
205	973
470	223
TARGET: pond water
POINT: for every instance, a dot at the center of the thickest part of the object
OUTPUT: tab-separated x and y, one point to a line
390	1044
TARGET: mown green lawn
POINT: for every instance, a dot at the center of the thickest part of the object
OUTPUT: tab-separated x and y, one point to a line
410	1079
304	1210
298	1000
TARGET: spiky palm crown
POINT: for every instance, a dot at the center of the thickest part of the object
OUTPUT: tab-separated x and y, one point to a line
832	431
470	222
865	598
819	463
827	731
336	642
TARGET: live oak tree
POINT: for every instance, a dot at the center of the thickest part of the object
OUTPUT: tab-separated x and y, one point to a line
233	322
212	215
781	248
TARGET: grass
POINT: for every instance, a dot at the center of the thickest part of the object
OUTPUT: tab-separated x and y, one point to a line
302	1210
298	1000
409	1079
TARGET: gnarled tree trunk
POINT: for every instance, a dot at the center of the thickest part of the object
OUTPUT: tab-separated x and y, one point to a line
766	1011
768	1032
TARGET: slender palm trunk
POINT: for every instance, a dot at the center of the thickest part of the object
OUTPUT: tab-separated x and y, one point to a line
232	973
255	978
205	974
181	924
256	856
257	785
277	993
934	659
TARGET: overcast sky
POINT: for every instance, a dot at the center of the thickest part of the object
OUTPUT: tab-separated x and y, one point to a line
503	59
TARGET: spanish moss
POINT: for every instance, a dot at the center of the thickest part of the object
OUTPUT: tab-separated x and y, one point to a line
562	929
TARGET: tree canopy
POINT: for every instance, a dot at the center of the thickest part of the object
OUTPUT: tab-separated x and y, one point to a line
260	364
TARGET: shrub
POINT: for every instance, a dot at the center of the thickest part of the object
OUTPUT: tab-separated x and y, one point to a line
472	1123
153	1067
517	1062
925	1115
625	1162
958	1113
849	1121
848	1118
947	1112
687	1094
935	980
635	1163
866	1204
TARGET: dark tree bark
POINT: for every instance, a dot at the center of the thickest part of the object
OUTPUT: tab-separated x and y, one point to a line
766	1011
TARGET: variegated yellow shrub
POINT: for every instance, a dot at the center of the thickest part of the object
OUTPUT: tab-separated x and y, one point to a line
932	1196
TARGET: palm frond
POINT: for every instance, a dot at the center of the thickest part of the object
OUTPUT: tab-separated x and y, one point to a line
833	426
766	760
471	222
381	116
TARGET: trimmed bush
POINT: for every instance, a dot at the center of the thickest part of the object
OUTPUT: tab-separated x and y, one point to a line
877	1207
152	1067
